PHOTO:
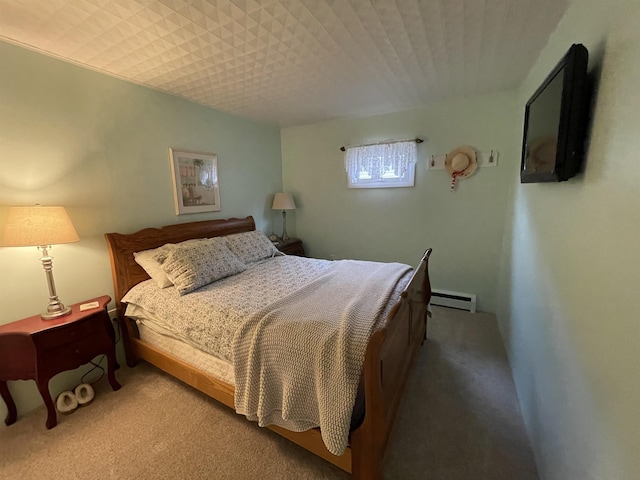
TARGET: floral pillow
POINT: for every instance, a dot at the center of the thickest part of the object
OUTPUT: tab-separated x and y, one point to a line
193	265
251	246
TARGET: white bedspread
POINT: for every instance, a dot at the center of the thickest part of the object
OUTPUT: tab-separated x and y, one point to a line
298	361
208	318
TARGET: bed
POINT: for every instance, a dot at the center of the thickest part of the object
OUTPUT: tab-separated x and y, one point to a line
388	352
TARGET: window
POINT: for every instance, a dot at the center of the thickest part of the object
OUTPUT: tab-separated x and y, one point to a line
381	165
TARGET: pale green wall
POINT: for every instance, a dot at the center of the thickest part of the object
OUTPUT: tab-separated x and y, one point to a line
571	272
99	146
464	227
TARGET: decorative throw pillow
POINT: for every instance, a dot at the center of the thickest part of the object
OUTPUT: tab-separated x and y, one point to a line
193	265
153	268
251	246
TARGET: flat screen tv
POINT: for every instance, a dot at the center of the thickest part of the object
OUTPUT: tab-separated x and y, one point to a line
555	122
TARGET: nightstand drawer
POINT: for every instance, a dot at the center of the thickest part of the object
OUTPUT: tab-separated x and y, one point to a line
69	333
76	353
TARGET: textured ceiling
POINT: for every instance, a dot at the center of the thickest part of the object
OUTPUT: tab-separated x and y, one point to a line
291	62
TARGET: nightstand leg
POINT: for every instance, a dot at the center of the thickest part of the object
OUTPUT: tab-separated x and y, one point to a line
12	413
52	419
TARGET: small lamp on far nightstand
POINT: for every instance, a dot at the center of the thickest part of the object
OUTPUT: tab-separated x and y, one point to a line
41	227
284	202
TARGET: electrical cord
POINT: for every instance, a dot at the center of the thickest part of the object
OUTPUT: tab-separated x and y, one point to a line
96	364
117	330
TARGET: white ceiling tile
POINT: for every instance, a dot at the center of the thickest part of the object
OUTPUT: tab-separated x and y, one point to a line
290	62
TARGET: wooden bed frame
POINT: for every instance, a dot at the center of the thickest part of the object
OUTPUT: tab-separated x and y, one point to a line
389	355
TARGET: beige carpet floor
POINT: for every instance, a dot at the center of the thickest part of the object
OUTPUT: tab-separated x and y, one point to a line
459	420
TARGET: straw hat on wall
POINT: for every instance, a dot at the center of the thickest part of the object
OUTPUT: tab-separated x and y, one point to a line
461	163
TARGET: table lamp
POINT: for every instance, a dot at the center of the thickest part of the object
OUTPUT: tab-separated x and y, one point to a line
41	227
284	202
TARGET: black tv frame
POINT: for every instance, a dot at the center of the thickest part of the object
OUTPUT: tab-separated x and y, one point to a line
574	111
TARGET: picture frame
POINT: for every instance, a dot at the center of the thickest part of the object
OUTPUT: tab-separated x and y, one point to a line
196	187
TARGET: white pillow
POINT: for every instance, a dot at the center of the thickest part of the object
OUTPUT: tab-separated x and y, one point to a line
251	246
193	265
146	260
152	266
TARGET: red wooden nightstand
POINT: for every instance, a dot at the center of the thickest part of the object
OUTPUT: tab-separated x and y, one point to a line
38	349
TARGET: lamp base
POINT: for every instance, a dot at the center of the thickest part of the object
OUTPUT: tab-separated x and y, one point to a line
51	315
285	236
56	308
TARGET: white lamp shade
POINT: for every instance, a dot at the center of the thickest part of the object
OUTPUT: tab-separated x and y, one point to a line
38	226
283	201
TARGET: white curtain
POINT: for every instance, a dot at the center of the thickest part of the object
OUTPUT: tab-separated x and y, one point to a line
384	162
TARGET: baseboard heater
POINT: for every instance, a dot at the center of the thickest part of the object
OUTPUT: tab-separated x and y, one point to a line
447	298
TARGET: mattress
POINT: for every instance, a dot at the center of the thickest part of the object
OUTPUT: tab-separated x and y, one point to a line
168	343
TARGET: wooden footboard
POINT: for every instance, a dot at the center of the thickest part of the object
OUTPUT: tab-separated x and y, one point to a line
390	353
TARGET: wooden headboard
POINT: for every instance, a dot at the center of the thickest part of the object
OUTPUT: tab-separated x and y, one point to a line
127	273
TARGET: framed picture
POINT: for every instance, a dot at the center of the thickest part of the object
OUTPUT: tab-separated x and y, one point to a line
195	181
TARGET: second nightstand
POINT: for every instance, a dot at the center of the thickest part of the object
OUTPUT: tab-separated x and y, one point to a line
293	246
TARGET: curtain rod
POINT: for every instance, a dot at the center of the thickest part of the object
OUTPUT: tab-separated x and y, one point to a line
417	140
